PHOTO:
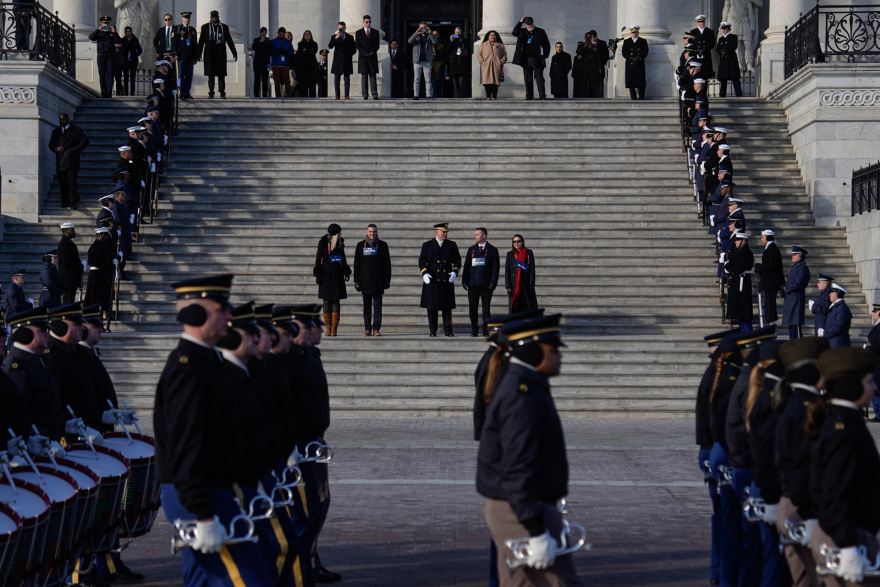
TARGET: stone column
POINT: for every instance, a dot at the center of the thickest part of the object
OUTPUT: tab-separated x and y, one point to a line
771	55
83	15
352	13
237	72
228	10
650	16
501	16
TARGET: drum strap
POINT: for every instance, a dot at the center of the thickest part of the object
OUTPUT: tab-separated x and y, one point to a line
302	494
282	542
231	568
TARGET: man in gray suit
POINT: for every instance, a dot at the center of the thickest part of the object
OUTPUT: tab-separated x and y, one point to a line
367	42
423	56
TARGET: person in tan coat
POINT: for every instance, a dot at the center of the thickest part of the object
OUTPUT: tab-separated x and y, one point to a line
492	57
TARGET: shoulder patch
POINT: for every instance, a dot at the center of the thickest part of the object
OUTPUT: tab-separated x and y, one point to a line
184	359
839	426
523	387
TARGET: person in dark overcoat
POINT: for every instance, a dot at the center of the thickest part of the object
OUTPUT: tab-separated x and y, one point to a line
819	308
100	260
728	65
794	292
344	48
131	50
14	300
590	64
440	263
88	353
532	51
331	272
457	55
634	52
602	54
704	41
738	266
560	66
322	73
480	277
372	276
770	276
50	279
213	40
67	142
305	64
70	267
578	85
367	43
519	277
400	63
839	319
263	49
874	346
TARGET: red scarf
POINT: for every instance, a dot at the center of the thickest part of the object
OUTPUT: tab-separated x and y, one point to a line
522	256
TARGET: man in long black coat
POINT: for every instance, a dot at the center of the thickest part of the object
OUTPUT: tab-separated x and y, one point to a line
634	51
67	142
602	50
480	277
440	263
88	354
728	65
213	41
69	264
344	48
366	41
532	51
560	66
704	41
738	266
372	276
100	260
400	63
770	276
75	387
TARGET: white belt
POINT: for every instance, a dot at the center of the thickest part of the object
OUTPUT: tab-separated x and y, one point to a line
94	268
741	275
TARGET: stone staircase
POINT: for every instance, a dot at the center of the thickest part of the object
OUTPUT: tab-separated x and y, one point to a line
598	189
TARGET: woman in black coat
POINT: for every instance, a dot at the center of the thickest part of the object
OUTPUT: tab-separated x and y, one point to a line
131	50
306	66
458	55
519	277
331	272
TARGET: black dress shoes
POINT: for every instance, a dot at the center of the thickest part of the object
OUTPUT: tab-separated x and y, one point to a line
322	575
433	334
449	334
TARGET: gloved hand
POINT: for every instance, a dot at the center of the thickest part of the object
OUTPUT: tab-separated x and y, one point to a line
543	551
83	263
722	257
712	220
357	286
74	425
821	332
852	565
16	446
57	450
128	417
464	285
119	254
152	168
426	278
808	532
143	185
115	262
452	277
769	514
209	536
110	417
37	445
31	301
94	436
294	458
174	93
811	303
131	218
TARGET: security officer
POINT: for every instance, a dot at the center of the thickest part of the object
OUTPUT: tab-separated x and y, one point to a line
820	307
728	65
184	43
770	276
522	469
15	302
480	277
201	452
70	266
50	279
322	73
439	263
24	365
839	319
794	292
634	51
704	41
107	40
737	266
102	262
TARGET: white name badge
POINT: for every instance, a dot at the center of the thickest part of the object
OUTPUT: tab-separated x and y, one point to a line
478	261
458	52
369	250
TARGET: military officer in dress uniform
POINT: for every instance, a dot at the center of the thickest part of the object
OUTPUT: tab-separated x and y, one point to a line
15	302
522	469
102	262
738	267
322	74
635	50
794	292
201	449
70	266
50	279
819	308
87	350
184	43
439	263
770	276
14	413
728	65
704	41
839	318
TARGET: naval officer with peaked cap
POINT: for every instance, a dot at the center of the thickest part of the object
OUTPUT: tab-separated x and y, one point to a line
439	263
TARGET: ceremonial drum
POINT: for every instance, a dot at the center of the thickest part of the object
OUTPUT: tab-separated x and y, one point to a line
113	469
62	491
87	482
140	503
32	505
10	532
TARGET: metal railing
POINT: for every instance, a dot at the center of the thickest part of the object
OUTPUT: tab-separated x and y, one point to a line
866	189
29	30
833	33
747	82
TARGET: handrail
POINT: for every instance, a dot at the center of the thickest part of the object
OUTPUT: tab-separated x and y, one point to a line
28	29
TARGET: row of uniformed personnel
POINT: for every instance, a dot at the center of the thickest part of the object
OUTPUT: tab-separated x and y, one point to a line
789	461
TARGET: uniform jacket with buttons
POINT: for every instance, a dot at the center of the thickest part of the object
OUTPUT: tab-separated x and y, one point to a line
795	298
50	279
15	301
439	262
837	325
38	390
820	308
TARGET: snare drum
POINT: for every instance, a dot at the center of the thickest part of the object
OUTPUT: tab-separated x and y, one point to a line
87	482
62	491
141	500
10	532
32	504
113	469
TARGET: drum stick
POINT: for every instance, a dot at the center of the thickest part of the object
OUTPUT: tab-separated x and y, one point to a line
4	464
119	420
125	403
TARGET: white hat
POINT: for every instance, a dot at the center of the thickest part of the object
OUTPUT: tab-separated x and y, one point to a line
699	80
124	148
145	119
725	24
724	147
107	197
101	230
137	128
741	235
768	232
837	287
158	80
721	129
67	225
733	201
694	64
700	17
162	62
634	28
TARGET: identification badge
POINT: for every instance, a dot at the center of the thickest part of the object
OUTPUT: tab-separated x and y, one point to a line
187	41
458	52
478	261
530	40
369	250
336	258
521	265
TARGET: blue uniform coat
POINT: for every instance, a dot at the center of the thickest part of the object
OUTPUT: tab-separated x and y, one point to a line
793	308
837	324
50	279
820	309
15	302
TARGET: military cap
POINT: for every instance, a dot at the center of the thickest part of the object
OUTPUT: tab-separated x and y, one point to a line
823	277
724	147
494	323
137	128
106	19
768	232
701	18
263	316
186	14
158	80
699	80
529	21
795	250
690	47
67	225
145	120
721	129
93	315
635	28
243	317
739	236
71	312
150	108
334	229
214	287
324	52
714	339
119	190
162	62
444	226
305	313
316	315
693	63
52	253
754	338
728	343
876	308
734	201
123	148
107	197
689	36
708	130
120	171
18	272
215	13
799	350
34	317
543	329
839	290
703	117
725	24
102	230
769	350
281	318
835	362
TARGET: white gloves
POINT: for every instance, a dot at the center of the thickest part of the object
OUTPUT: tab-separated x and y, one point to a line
83	264
128	417
115	262
131	218
722	257
821	332
294	458
426	278
31	301
808	531
143	185
74	426
852	565
452	277
119	233
209	536
542	551
57	450
769	513
36	445
712	220
16	446
110	417
119	254
174	93
152	168
94	436
811	303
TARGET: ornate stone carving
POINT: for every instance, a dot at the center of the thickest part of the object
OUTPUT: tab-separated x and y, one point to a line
13	95
836	98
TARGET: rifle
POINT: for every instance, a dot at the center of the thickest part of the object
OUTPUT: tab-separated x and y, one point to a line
115	285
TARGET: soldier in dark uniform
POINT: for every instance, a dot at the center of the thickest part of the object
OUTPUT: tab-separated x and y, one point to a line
107	40
70	266
770	276
14	412
522	469
794	292
728	65
480	277
102	263
184	43
738	267
322	73
24	365
704	41
872	345
87	350
372	276
108	205
634	51
201	423
125	212
15	302
439	263
819	308
839	318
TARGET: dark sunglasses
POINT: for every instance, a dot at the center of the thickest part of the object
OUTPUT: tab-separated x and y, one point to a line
167	19
368	21
514	242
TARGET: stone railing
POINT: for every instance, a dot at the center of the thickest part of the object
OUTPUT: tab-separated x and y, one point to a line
30	31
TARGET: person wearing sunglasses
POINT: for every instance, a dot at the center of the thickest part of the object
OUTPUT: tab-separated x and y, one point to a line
519	277
164	38
367	42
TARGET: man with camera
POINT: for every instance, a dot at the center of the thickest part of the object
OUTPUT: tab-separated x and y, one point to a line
344	48
532	50
107	40
423	56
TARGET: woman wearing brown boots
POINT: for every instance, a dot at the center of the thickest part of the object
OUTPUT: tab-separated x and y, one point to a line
331	272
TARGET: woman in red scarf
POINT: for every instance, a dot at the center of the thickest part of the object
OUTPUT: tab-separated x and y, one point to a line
519	277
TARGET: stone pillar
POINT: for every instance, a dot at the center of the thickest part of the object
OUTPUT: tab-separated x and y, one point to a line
771	55
228	10
83	15
501	16
237	72
352	13
650	16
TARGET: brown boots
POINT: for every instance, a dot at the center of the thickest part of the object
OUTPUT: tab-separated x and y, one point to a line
332	321
335	322
328	324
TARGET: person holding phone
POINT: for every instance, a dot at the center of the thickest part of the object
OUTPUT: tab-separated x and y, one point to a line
519	277
264	50
344	48
457	58
423	56
108	41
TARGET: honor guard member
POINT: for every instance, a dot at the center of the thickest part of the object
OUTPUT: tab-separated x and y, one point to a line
70	266
635	50
439	262
322	73
480	277
25	366
795	292
820	307
770	276
14	414
728	64
738	266
522	469
839	318
102	262
734	225
126	211
184	44
704	41
872	345
50	279
107	40
201	449
108	205
87	349
15	302
372	276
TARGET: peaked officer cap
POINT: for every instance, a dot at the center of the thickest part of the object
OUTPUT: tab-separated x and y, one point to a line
754	338
186	14
93	315
34	317
495	322
102	230
52	253
701	18
733	201
18	272
736	215
769	350
728	343
635	28
107	197
162	62
714	339
72	312
693	63
137	128
214	287
281	318
243	317
544	329
838	289
324	52
796	352
842	360
823	277
305	313
106	19
795	250
688	36
725	24
444	226
721	129
740	236
316	315
264	313
876	308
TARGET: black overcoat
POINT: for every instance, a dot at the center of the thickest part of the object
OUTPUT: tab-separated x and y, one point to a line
728	65
104	389
372	272
739	289
705	41
539	36
100	284
560	66
343	51
214	54
368	51
331	270
74	140
74	382
38	390
772	277
439	262
526	277
69	264
458	54
635	52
